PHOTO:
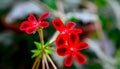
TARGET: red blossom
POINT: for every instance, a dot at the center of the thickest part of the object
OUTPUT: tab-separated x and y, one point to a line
32	24
64	30
71	50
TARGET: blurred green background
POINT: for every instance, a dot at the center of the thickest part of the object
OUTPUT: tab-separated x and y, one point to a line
99	20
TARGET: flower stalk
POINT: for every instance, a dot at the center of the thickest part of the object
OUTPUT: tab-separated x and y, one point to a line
47	66
43	55
43	62
36	62
40	31
51	62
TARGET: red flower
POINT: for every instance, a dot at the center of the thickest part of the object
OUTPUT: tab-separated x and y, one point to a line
71	50
64	30
32	24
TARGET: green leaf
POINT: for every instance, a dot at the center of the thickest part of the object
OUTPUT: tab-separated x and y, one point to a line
36	52
48	51
51	4
100	3
38	45
47	43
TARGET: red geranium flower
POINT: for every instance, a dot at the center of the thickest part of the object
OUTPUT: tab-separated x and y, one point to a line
71	50
32	24
64	30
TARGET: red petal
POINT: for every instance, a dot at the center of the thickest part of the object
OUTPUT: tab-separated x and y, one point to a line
58	24
69	60
32	18
77	30
82	45
70	25
62	50
80	58
24	25
73	38
30	30
43	16
44	24
61	40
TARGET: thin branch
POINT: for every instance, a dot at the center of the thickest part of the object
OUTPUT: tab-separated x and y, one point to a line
51	61
43	62
54	37
49	44
37	65
46	62
51	48
35	62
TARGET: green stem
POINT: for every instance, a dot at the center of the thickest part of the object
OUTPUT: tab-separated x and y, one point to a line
40	31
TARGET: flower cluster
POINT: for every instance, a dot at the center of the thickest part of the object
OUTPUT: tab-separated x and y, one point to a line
64	30
67	42
32	24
